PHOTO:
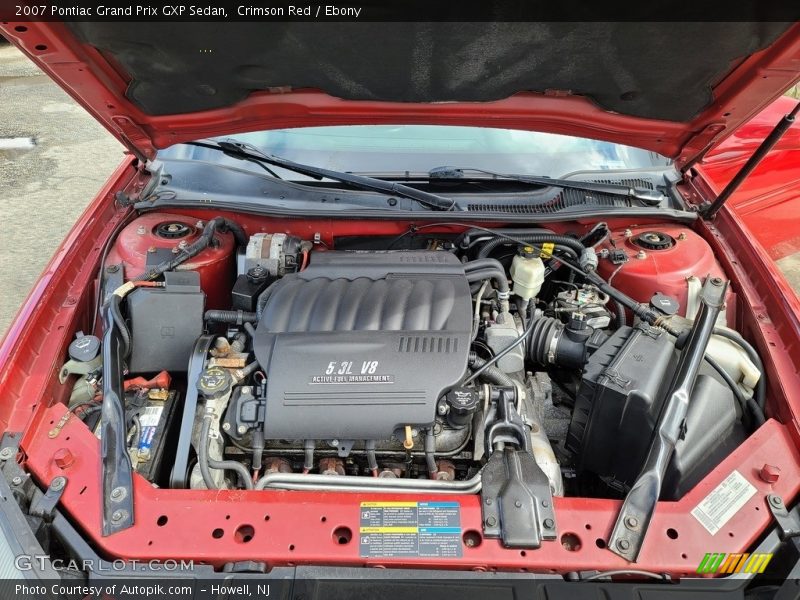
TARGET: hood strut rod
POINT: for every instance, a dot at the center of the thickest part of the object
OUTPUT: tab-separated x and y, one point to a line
637	510
776	134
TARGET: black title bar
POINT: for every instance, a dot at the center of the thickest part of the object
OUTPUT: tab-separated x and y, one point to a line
403	10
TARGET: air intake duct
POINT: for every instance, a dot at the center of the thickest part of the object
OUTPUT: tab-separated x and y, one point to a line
553	343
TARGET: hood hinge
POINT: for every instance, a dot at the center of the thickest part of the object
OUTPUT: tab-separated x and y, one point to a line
134	138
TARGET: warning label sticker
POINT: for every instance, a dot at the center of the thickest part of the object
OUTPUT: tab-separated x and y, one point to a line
723	502
424	529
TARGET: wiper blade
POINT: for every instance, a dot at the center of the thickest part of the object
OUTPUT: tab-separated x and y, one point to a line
244	151
650	197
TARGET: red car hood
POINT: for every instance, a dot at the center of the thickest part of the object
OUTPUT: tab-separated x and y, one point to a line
674	88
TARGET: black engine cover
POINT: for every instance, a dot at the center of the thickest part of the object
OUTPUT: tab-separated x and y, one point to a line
360	344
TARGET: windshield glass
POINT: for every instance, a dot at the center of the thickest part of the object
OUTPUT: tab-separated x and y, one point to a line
396	149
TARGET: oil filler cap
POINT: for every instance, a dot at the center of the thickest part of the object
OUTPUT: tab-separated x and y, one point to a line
462	402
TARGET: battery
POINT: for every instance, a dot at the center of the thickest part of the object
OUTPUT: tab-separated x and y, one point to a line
154	410
155	416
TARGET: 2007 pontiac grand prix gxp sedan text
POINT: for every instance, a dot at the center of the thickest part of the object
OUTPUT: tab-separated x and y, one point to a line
469	313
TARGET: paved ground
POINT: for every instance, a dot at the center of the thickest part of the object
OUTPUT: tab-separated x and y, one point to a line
43	189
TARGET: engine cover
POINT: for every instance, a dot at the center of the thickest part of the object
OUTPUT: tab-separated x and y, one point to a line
360	344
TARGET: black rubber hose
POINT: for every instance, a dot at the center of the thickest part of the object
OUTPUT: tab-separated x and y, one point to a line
202	455
761	386
430	457
308	461
622	319
544	330
233	317
487	268
491	374
206	463
239	236
502	353
746	403
204	241
483	263
122	327
238	343
372	459
89	411
263	298
472	237
499	277
258	449
245	372
534	238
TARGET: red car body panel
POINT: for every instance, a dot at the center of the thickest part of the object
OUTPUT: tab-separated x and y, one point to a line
32	351
768	202
94	83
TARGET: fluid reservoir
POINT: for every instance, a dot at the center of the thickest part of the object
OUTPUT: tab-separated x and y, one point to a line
155	237
527	272
657	259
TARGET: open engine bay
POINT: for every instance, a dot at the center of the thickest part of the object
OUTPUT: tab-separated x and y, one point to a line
480	375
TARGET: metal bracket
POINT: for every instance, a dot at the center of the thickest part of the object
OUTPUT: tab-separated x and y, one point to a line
9	446
117	474
516	501
640	503
788	523
45	506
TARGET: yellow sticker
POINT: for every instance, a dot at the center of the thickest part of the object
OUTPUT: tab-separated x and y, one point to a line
547	250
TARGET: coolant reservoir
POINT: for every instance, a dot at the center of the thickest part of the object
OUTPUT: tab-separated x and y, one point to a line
728	355
527	272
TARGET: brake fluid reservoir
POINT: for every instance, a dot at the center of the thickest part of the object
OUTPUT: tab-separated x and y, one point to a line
527	272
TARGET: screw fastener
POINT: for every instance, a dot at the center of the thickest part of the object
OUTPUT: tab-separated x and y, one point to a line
6	453
776	501
631	522
769	473
623	544
16	480
118	515
491	521
549	523
63	458
58	484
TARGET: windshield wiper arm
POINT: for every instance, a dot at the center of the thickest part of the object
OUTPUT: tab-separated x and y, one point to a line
249	152
650	197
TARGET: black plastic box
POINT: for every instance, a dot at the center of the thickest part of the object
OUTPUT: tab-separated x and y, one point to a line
624	387
165	323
